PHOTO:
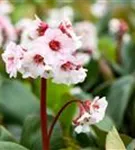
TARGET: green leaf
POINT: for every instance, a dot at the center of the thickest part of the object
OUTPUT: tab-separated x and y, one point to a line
92	75
5	135
118	98
16	101
113	141
131	146
31	134
86	140
106	124
128	57
102	25
57	96
11	146
126	139
107	46
19	12
55	93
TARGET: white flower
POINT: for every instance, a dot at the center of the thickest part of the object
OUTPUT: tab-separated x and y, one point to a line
34	63
57	45
31	30
100	8
69	71
83	124
97	109
12	57
5	7
67	28
38	28
90	113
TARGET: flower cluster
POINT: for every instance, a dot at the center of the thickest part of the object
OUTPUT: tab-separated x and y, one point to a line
7	31
91	112
47	52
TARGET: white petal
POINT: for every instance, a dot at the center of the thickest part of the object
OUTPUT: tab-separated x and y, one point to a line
78	129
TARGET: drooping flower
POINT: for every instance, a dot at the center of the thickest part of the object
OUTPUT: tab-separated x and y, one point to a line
12	58
90	113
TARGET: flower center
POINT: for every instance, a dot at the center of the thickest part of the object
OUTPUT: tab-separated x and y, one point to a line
96	106
38	59
54	45
42	28
11	59
68	66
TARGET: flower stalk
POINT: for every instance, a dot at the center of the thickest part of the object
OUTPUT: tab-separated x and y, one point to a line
43	115
59	113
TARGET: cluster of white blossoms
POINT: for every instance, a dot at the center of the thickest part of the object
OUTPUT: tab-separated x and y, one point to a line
47	53
88	33
91	112
7	30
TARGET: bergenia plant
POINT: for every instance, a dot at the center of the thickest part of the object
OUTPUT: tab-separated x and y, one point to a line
50	54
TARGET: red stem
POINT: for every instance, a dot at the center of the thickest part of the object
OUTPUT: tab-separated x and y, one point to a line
43	115
58	115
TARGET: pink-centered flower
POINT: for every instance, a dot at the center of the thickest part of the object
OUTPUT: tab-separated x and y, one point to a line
34	63
67	28
69	71
91	112
29	30
12	58
57	44
38	28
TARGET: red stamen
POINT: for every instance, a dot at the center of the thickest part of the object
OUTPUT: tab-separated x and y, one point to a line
38	59
54	45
